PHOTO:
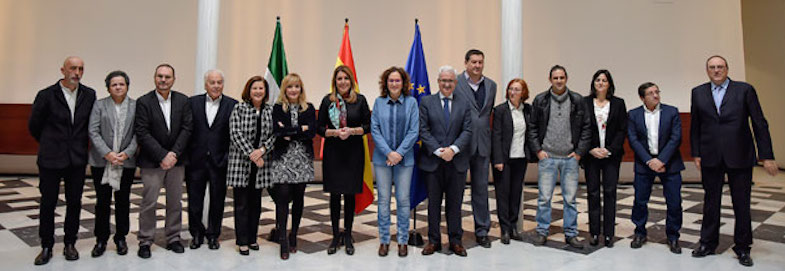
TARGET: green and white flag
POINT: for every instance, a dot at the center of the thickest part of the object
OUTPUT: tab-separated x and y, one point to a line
276	66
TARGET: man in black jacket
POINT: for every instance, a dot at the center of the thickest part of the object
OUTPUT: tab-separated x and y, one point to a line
559	133
58	122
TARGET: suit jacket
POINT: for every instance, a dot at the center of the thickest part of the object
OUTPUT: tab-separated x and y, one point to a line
580	124
727	136
615	131
502	134
481	114
669	139
435	134
294	132
101	130
209	142
154	138
61	142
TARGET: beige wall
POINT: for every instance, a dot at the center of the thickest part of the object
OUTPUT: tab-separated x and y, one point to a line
764	52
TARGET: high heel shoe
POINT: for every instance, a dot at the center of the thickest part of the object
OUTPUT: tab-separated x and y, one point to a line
284	252
292	243
348	243
333	246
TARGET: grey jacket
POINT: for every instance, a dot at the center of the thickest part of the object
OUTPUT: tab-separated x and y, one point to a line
101	132
481	114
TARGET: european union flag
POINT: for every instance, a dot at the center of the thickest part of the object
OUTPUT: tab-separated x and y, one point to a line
415	66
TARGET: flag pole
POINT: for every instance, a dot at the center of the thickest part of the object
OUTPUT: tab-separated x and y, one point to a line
415	238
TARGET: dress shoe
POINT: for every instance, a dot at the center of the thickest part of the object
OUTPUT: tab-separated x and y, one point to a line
284	252
515	235
608	241
745	259
384	249
349	243
212	243
540	240
702	251
505	238
244	250
175	247
196	243
70	253
430	248
595	240
254	246
122	247
638	241
98	250
334	244
484	241
574	242
144	251
673	245
458	250
43	257
292	243
403	250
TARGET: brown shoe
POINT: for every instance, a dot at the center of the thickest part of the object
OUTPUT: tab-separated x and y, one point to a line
430	248
458	250
403	250
384	249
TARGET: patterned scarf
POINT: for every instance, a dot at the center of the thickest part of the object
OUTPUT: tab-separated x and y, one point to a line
338	113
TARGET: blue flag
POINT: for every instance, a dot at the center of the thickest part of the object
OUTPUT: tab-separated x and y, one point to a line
415	66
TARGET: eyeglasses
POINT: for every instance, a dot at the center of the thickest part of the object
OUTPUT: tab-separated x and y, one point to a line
446	81
390	81
717	67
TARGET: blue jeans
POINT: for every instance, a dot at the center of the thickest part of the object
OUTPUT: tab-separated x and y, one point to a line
384	182
565	170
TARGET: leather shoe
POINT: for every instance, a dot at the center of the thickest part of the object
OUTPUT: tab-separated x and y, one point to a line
70	253
484	241
430	248
403	250
212	243
573	242
175	247
745	259
608	241
349	243
334	244
515	235
458	250
505	238
702	251
122	247
196	243
43	257
244	251
98	250
673	245
638	241
384	249
540	240
144	251
595	240
254	246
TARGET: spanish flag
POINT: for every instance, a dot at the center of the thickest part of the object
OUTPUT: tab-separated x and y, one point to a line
345	58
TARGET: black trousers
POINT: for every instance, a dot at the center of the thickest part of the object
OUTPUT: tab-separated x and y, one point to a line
509	185
103	209
49	186
247	210
286	193
602	213
196	182
445	182
335	212
740	182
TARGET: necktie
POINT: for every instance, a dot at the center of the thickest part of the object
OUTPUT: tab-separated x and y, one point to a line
446	111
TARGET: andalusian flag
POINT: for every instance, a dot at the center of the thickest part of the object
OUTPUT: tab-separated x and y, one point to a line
345	58
276	66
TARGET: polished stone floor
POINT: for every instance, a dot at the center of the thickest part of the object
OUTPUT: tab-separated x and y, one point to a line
19	241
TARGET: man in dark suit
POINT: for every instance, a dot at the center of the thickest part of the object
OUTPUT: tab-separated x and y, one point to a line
208	152
163	126
445	131
654	131
721	143
58	121
480	92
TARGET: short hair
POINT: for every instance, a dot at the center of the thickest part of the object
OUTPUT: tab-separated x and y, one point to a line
525	89
717	56
446	68
165	65
114	74
219	72
404	80
611	86
352	95
472	52
557	67
291	79
642	88
246	96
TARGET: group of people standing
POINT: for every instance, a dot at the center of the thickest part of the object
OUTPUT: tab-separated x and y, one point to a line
255	144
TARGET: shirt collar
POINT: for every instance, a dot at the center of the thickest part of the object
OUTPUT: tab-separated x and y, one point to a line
724	85
161	98
441	96
210	100
512	107
68	89
469	79
656	108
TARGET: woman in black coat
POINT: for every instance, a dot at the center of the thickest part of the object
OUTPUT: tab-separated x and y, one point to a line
510	155
608	116
344	117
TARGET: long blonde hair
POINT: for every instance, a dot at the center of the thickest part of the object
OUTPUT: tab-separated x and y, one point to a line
289	80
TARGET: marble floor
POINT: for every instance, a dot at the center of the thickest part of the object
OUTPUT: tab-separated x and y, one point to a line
19	241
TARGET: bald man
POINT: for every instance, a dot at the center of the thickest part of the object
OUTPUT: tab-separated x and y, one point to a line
58	121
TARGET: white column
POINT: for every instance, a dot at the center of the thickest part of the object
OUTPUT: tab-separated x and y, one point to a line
512	40
206	41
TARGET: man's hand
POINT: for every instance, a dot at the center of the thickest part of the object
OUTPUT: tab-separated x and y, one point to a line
697	163
113	158
771	167
575	155
169	161
448	154
542	155
498	167
598	153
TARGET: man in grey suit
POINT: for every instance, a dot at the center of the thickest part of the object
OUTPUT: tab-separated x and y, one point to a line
163	127
445	131
480	92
